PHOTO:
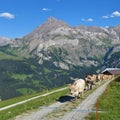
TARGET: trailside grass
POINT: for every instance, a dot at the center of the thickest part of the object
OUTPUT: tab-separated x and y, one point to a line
28	96
33	104
108	103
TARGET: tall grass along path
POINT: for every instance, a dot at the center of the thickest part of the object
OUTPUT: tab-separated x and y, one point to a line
24	101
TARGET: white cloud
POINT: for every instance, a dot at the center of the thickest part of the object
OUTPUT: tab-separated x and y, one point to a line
106	26
46	9
112	15
82	19
90	20
116	14
87	20
105	16
7	15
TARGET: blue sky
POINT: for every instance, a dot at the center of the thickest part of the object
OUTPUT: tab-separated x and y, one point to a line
19	17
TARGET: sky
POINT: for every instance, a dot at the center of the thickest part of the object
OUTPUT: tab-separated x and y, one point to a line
20	17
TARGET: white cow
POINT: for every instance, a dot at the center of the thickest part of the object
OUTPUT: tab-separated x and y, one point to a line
77	87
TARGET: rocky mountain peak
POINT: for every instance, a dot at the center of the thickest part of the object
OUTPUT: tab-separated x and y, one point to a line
53	20
117	29
93	29
54	32
4	41
51	24
83	45
43	32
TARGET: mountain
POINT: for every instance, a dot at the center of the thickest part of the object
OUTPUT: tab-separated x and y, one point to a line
53	53
4	41
75	43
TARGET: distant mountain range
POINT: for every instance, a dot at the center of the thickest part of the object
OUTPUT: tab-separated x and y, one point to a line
4	41
53	53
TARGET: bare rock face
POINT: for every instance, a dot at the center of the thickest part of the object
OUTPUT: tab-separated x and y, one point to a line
4	41
60	32
79	45
43	33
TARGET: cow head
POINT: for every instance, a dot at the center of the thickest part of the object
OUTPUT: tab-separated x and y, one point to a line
73	90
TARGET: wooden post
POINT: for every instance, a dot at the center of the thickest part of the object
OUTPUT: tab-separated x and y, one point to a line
107	90
97	110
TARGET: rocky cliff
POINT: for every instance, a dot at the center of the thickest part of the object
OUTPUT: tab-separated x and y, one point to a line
79	45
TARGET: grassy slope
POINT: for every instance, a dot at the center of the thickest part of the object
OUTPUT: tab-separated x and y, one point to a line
33	104
110	103
21	76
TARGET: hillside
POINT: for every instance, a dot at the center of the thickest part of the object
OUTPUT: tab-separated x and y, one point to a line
25	76
53	53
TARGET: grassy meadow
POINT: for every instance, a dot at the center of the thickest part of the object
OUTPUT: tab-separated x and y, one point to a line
33	104
108	103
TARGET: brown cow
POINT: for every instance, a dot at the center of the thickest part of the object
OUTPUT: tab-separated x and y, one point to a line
90	80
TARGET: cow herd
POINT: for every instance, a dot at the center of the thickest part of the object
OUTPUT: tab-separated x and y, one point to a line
80	85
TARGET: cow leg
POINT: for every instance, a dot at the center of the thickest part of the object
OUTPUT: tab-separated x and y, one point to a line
99	82
88	86
91	85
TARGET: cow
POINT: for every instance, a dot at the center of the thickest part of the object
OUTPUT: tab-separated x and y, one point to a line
90	79
100	78
77	88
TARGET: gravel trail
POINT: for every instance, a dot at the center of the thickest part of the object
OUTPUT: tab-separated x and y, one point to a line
76	114
86	106
39	114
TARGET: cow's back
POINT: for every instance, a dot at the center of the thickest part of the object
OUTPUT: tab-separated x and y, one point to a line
80	85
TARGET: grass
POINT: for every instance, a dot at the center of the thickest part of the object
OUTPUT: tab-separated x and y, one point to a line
33	104
109	103
18	99
21	98
46	70
25	90
20	76
7	56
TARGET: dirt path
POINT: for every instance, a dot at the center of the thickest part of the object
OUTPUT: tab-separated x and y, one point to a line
39	114
86	106
76	114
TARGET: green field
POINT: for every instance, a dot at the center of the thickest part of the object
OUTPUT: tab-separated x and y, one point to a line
33	104
108	103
